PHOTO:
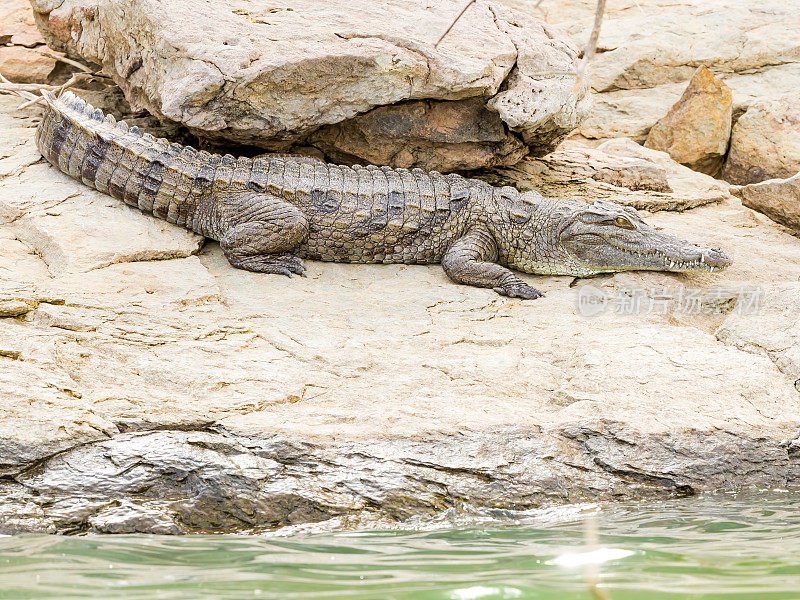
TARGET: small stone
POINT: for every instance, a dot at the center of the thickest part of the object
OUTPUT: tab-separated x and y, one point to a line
779	199
696	130
765	143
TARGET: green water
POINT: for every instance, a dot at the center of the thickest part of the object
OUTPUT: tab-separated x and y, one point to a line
717	547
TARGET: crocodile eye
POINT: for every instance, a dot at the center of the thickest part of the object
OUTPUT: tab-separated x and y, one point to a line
623	222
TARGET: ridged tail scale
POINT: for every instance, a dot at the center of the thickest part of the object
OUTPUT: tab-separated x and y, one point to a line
163	179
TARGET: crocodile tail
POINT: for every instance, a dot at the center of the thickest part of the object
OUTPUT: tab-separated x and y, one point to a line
143	171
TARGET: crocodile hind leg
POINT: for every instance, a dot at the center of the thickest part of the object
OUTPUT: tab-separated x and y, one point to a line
263	232
469	261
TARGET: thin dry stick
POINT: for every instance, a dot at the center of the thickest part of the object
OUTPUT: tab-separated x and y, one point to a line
66	60
30	102
11	88
21	88
26	90
591	46
72	81
470	3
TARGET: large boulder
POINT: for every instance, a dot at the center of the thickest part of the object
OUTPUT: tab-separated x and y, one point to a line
765	143
251	73
644	59
696	130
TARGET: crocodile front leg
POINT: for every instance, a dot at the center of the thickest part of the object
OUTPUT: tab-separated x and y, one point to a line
470	261
263	232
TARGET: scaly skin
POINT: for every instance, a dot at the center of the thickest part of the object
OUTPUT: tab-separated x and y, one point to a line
270	213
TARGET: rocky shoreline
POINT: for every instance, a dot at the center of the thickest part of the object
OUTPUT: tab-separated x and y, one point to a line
211	480
146	386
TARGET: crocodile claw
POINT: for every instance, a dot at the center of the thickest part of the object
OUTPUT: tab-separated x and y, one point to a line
278	264
289	264
519	290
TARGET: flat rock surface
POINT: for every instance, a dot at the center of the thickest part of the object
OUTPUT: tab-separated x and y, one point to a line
172	393
254	73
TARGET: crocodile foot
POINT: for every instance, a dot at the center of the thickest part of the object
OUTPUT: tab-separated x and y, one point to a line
280	264
518	289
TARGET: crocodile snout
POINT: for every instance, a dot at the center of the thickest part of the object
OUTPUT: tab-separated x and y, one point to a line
715	257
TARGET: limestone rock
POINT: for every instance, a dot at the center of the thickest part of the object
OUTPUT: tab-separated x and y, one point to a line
772	331
252	73
541	84
644	60
779	199
619	170
765	143
79	229
696	130
639	49
631	113
182	395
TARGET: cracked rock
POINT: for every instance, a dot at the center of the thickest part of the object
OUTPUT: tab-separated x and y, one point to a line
253	73
77	229
180	395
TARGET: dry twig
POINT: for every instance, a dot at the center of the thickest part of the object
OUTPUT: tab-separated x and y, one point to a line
27	90
591	45
463	10
66	60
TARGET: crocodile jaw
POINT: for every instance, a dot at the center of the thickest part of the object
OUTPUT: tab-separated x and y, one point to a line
642	249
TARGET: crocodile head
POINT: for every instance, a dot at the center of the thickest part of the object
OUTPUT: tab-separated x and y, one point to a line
586	239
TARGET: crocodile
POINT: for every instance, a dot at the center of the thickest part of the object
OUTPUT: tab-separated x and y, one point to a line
269	213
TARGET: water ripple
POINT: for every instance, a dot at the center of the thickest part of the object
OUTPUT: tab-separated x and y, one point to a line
718	547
